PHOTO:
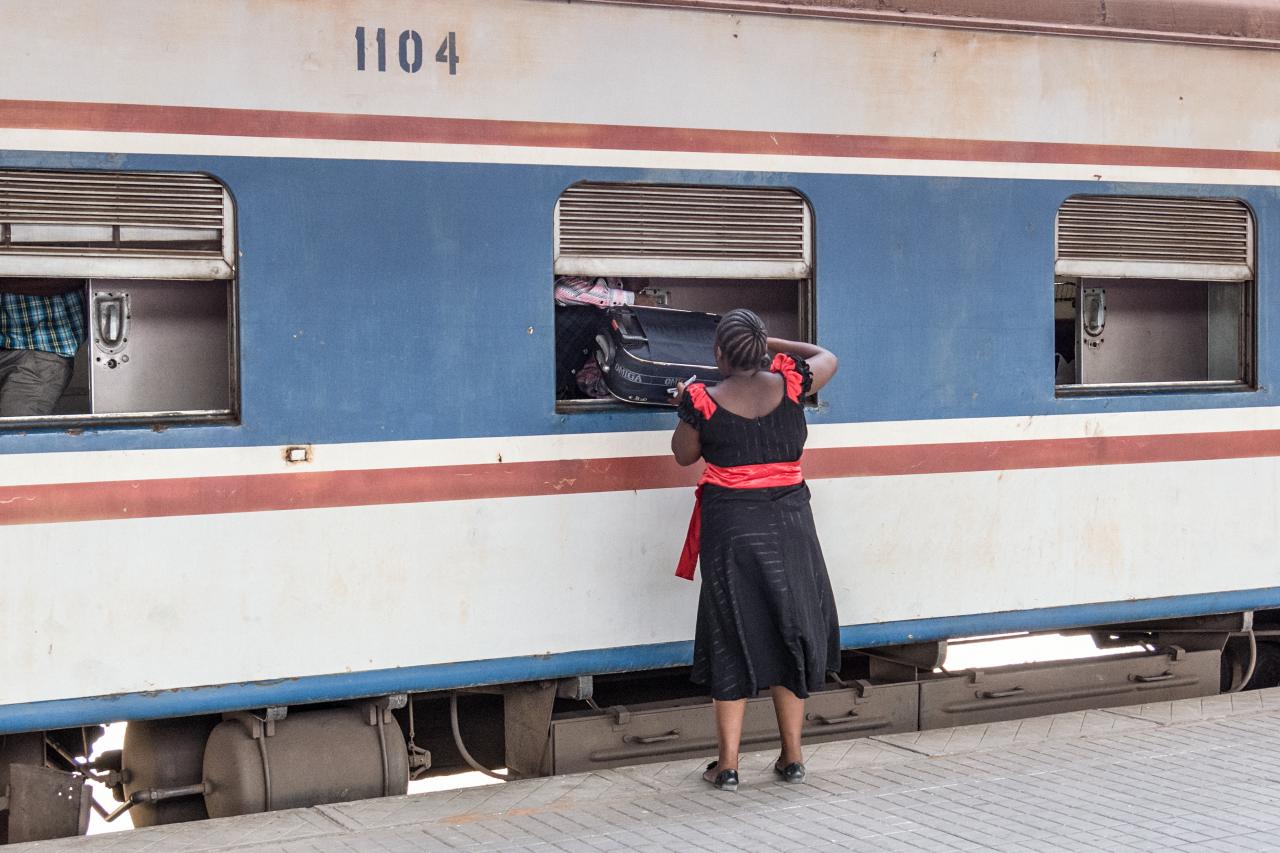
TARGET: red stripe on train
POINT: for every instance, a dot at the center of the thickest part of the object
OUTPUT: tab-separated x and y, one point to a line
41	504
285	124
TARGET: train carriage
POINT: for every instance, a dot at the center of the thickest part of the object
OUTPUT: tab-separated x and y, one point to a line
317	447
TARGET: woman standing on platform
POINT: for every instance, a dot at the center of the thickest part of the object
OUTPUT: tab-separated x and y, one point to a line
766	613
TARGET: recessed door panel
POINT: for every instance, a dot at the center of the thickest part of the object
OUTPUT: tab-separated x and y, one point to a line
159	346
1143	330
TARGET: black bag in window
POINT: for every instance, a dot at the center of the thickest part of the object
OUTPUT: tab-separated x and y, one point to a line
576	329
646	351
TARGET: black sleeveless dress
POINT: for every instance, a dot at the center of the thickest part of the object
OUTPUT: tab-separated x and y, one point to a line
766	613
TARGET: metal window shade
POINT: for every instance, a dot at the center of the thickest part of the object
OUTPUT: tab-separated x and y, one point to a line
682	232
1203	239
115	225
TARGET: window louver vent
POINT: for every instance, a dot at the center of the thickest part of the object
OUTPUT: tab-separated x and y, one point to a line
682	231
1137	237
120	225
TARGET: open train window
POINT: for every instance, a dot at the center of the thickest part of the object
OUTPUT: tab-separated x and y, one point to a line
1153	294
695	248
117	298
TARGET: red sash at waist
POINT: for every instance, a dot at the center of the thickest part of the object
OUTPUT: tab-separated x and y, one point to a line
764	476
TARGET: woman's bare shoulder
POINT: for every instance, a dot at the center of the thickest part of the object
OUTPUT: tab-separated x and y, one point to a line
749	396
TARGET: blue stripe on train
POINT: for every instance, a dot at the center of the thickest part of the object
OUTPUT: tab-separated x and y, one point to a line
325	688
397	300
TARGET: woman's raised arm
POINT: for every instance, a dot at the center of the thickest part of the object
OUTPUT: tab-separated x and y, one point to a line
823	363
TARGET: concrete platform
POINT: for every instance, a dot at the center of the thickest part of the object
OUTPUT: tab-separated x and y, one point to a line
1200	774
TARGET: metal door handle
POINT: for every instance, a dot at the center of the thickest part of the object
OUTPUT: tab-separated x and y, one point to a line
831	721
111	321
674	734
1147	679
1001	694
1093	312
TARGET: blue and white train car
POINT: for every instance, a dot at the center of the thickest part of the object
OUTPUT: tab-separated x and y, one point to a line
316	448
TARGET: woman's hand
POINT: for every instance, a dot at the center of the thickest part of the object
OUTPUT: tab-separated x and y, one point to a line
678	391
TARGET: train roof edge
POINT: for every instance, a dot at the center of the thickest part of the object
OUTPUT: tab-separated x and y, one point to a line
1236	23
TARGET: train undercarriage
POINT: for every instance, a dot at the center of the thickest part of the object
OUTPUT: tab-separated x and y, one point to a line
264	759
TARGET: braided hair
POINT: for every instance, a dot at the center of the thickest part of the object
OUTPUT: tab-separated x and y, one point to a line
742	340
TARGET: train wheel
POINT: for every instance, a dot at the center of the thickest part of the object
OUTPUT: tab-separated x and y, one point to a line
1235	660
1266	673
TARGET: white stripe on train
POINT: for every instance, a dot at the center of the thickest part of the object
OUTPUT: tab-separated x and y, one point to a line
109	465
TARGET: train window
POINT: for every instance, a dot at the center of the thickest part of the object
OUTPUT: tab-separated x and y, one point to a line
693	248
1153	294
117	295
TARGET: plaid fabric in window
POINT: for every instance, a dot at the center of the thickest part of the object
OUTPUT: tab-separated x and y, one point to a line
49	323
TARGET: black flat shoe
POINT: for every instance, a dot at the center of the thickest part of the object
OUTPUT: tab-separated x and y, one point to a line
793	772
725	780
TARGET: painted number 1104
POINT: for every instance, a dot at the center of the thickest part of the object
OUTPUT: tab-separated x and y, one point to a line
408	51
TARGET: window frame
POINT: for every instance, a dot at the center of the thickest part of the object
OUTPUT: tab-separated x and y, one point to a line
1247	318
224	271
806	288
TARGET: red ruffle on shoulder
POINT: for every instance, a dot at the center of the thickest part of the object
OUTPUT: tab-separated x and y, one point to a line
786	365
701	400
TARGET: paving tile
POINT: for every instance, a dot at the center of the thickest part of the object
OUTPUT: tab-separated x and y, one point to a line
1013	732
1206	707
294	825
